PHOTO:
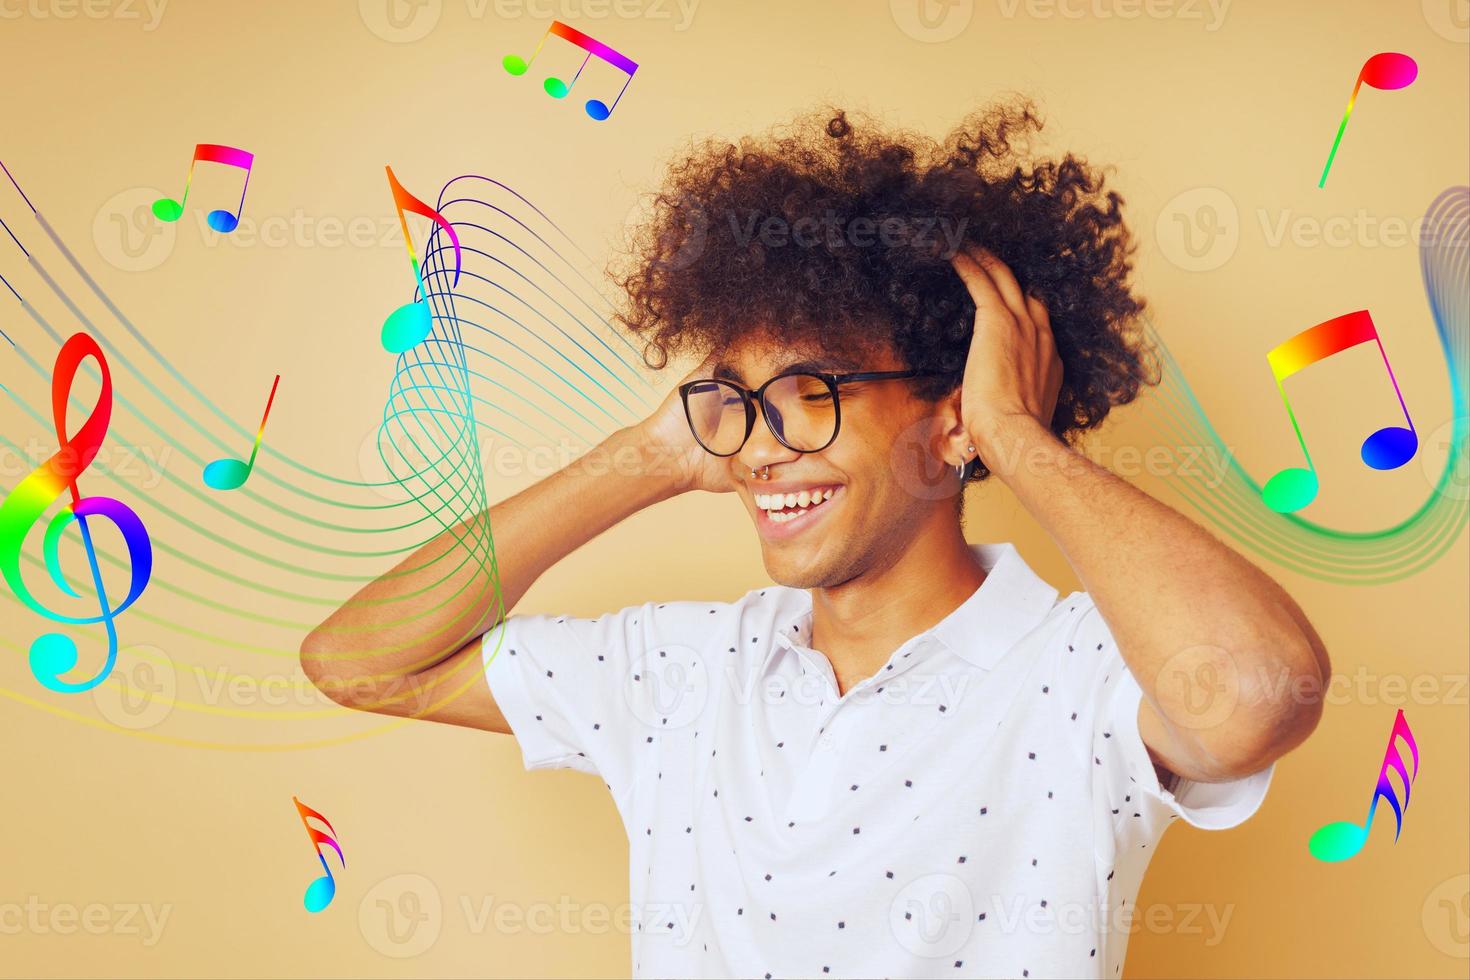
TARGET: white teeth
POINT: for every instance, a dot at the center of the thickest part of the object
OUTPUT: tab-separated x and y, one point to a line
780	508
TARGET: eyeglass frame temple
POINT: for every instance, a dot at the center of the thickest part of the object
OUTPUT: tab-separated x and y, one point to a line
750	396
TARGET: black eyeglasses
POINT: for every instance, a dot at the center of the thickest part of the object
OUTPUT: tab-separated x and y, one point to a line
801	409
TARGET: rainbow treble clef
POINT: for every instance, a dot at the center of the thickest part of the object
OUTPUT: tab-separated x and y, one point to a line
53	654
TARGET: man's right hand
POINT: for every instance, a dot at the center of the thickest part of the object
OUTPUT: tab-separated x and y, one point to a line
670	443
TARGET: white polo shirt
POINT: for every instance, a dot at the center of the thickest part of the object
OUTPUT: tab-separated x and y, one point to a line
983	806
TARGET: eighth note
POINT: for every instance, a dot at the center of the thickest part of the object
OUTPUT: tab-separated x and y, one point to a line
321	891
1341	840
558	89
224	222
1388	448
411	323
230	473
1387	70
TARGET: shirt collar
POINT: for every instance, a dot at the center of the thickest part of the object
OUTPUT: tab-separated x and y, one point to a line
1010	603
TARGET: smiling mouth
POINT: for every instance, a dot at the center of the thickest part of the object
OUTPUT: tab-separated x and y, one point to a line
780	508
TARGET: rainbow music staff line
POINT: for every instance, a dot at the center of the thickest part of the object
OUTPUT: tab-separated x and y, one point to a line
54	654
321	891
1341	840
558	89
1387	70
222	221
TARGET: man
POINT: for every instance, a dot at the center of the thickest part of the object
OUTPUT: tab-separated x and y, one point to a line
910	757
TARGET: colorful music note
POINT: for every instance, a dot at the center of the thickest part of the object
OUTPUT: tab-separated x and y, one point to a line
1388	448
229	473
408	325
1387	70
224	222
558	89
321	891
53	654
1340	841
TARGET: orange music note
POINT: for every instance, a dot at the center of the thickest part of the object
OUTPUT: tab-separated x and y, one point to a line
319	893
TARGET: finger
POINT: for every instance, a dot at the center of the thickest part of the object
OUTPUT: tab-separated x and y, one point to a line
1039	316
983	290
1004	279
1046	346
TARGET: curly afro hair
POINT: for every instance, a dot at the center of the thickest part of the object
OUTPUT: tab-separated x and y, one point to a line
839	236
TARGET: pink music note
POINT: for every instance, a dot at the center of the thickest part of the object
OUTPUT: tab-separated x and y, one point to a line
1340	841
1387	70
1388	448
558	89
320	892
224	222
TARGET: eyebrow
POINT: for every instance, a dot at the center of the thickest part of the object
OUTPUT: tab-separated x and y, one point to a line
831	364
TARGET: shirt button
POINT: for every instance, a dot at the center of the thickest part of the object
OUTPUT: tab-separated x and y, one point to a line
825	742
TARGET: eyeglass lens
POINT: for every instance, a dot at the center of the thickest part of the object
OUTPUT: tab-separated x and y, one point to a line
799	409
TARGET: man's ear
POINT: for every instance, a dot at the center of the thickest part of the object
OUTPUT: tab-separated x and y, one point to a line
955	441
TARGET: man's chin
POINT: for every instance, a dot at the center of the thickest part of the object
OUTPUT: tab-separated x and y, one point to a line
805	571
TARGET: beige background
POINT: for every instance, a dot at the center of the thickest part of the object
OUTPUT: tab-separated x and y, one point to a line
182	802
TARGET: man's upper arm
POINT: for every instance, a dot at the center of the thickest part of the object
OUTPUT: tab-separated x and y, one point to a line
1130	745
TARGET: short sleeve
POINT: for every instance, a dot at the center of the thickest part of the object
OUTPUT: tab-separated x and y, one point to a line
1125	777
590	694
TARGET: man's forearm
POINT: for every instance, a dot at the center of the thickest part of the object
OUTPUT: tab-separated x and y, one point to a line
1171	593
444	594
